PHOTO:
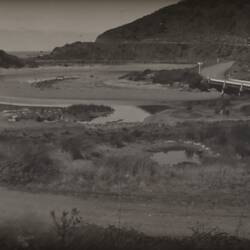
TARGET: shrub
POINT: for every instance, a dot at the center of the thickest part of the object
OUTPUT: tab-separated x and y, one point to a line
79	109
66	225
31	164
73	146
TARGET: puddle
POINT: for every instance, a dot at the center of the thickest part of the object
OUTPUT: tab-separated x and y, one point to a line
154	109
174	157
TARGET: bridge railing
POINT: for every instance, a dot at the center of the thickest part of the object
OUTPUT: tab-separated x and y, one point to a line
230	82
240	81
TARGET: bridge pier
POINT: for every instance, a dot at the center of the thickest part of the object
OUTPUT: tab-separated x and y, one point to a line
223	88
240	90
230	85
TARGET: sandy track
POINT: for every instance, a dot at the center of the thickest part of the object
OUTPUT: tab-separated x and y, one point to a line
217	71
149	217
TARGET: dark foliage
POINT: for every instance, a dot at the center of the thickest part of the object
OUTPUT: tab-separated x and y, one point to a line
228	22
182	76
9	61
31	163
72	234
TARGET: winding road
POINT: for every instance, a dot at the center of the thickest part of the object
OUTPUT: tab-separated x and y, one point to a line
217	71
153	218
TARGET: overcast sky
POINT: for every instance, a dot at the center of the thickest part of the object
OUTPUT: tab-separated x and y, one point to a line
44	24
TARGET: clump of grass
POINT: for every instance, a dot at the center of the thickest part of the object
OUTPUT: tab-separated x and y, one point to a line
188	76
28	163
127	172
73	146
66	226
87	112
184	76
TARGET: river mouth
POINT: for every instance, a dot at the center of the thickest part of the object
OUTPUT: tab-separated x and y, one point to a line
126	113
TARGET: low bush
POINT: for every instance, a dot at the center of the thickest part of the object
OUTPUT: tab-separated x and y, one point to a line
31	163
86	112
183	76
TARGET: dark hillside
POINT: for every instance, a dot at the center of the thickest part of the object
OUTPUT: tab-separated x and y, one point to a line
144	52
189	31
9	61
189	21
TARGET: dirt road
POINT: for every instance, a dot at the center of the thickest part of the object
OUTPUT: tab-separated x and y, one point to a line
150	217
217	71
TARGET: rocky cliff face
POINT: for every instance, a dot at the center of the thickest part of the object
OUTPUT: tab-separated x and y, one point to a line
189	21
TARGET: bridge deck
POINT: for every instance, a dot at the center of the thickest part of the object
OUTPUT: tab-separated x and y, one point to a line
231	82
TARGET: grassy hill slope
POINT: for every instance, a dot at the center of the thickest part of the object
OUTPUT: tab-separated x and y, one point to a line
189	21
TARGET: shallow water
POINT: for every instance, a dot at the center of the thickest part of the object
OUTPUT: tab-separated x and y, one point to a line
123	113
174	157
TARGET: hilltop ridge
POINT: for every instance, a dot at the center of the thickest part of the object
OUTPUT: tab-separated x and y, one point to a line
188	21
185	32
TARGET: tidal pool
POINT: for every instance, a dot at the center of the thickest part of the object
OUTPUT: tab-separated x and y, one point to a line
174	157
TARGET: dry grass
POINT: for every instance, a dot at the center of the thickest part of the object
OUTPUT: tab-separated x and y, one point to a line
75	162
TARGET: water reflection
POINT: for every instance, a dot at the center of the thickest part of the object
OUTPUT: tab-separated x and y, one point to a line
129	113
123	113
154	109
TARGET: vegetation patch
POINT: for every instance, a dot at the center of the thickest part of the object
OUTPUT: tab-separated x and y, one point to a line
78	112
49	82
176	77
112	160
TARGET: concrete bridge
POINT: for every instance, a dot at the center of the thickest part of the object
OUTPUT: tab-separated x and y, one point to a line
215	75
229	85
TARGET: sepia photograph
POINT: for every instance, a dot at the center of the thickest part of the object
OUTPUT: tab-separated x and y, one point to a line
124	125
